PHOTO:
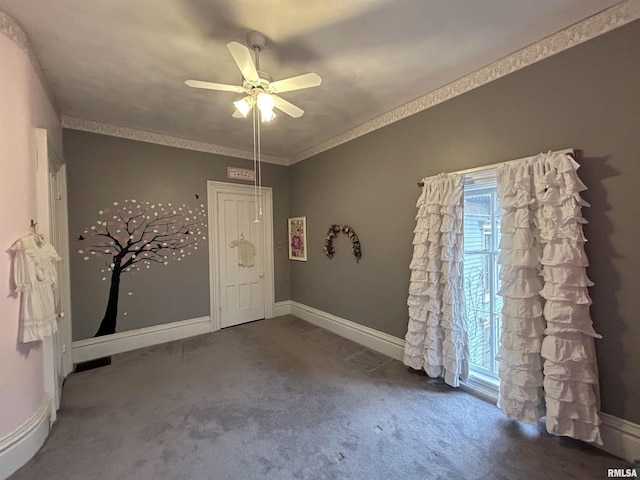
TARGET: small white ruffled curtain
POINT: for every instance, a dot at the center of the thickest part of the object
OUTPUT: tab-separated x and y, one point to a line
547	353
436	339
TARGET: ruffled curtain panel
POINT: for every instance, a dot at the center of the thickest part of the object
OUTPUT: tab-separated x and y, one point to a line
436	339
547	353
547	362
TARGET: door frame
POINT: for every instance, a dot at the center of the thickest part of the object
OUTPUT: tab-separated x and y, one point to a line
214	189
51	162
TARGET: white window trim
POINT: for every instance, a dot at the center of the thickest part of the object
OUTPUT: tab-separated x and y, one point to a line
482	385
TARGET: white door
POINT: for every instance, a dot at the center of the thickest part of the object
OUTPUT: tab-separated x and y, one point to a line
242	259
53	224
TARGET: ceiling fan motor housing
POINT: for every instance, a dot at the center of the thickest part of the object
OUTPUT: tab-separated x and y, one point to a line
261	85
255	82
256	40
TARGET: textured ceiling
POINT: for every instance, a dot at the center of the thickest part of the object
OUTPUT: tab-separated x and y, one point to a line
123	62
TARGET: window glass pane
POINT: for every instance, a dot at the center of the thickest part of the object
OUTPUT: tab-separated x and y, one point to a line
477	205
478	326
481	282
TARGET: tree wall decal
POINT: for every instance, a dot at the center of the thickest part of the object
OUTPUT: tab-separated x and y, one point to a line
135	235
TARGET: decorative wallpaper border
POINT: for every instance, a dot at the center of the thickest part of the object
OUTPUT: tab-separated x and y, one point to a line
161	139
598	24
594	26
11	28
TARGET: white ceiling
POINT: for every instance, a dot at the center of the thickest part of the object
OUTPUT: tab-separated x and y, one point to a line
123	62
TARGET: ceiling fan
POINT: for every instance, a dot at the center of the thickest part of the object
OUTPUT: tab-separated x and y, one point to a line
259	86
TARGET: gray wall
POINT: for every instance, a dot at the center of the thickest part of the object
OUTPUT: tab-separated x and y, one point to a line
104	169
586	97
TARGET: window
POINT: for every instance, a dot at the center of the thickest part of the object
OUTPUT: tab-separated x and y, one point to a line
482	302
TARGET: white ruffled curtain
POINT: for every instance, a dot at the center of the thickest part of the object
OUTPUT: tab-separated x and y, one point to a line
547	354
436	339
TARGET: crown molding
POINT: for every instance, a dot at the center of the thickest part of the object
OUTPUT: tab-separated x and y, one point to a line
13	30
594	26
91	126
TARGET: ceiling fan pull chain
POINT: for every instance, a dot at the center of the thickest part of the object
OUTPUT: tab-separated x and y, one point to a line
259	163
255	159
260	173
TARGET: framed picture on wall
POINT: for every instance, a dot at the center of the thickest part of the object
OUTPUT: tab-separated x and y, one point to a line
298	238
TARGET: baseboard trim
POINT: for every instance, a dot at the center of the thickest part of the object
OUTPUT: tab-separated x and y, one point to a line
99	347
19	446
366	336
620	438
282	308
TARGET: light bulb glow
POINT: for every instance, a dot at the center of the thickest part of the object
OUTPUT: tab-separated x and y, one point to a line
265	102
244	105
267	116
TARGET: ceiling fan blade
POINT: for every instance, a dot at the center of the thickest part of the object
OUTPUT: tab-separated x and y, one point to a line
307	80
214	86
242	56
287	107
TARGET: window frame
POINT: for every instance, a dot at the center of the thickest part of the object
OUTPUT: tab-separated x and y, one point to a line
477	383
483	381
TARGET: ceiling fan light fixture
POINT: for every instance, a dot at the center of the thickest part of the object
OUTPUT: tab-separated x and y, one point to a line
244	106
265	104
262	96
267	116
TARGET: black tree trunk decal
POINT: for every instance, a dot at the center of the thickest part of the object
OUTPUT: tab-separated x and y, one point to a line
108	323
139	234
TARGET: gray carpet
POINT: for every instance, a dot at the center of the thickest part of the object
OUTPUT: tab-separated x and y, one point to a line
281	399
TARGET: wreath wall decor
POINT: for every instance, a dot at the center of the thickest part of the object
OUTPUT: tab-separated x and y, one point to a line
333	233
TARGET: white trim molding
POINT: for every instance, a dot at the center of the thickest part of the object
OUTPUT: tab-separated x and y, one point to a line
214	190
368	337
621	438
19	446
616	16
594	26
100	347
91	126
13	30
482	386
282	308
